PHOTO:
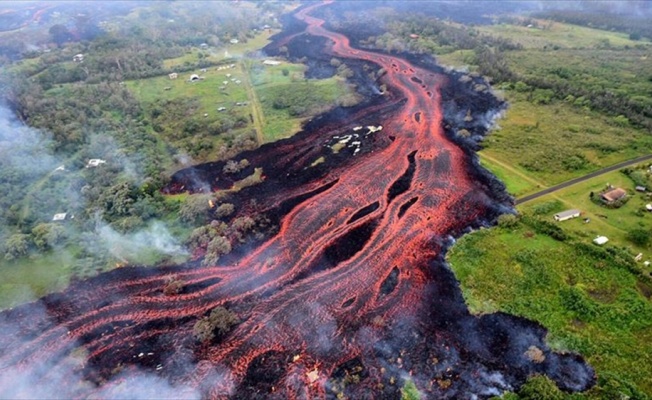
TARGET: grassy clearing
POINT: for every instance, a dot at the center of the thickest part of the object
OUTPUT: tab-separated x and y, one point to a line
515	179
206	90
553	143
613	223
222	53
585	297
27	279
303	99
558	34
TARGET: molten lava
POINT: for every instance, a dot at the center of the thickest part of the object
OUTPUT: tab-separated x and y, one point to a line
350	295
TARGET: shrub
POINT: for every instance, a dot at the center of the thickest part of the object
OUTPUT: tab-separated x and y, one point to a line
217	324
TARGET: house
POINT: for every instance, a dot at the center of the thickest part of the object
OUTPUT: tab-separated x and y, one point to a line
221	109
59	217
638	257
614	195
95	162
414	36
194	78
568	214
600	240
648	207
271	62
234	41
203	46
78	58
173	75
641	188
60	168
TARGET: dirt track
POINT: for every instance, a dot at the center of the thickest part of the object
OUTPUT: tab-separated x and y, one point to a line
582	179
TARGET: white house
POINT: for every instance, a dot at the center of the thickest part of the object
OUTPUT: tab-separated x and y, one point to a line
600	240
95	162
568	214
59	217
194	77
78	58
271	62
234	41
173	75
648	207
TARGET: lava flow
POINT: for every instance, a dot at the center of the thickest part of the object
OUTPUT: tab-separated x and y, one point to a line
351	295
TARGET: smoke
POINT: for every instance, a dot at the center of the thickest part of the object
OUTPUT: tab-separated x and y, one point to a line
155	237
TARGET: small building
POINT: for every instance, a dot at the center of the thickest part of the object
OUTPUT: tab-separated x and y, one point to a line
95	162
59	217
271	62
234	41
60	168
638	257
641	188
78	58
414	36
173	75
614	195
221	109
194	78
646	263
203	46
600	240
568	214
648	207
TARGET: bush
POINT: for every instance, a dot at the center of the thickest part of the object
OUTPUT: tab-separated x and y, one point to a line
507	221
540	388
16	246
217	324
639	236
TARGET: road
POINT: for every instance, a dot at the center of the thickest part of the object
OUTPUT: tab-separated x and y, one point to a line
582	179
257	112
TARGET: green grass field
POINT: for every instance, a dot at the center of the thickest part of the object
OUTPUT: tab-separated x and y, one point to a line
589	302
218	54
558	34
553	143
27	279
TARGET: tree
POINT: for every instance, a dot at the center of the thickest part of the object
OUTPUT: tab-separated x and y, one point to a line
48	235
16	246
224	210
507	220
217	324
540	388
217	247
60	34
285	72
195	209
639	236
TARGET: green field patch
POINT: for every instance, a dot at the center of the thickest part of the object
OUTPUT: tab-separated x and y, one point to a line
588	300
547	34
552	143
29	278
516	182
285	106
216	54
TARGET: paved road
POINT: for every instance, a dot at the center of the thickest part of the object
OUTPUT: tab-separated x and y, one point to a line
582	179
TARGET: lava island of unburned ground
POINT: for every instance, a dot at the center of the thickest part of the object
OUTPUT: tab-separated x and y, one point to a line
350	294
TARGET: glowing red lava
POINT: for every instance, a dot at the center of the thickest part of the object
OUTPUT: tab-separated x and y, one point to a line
350	295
